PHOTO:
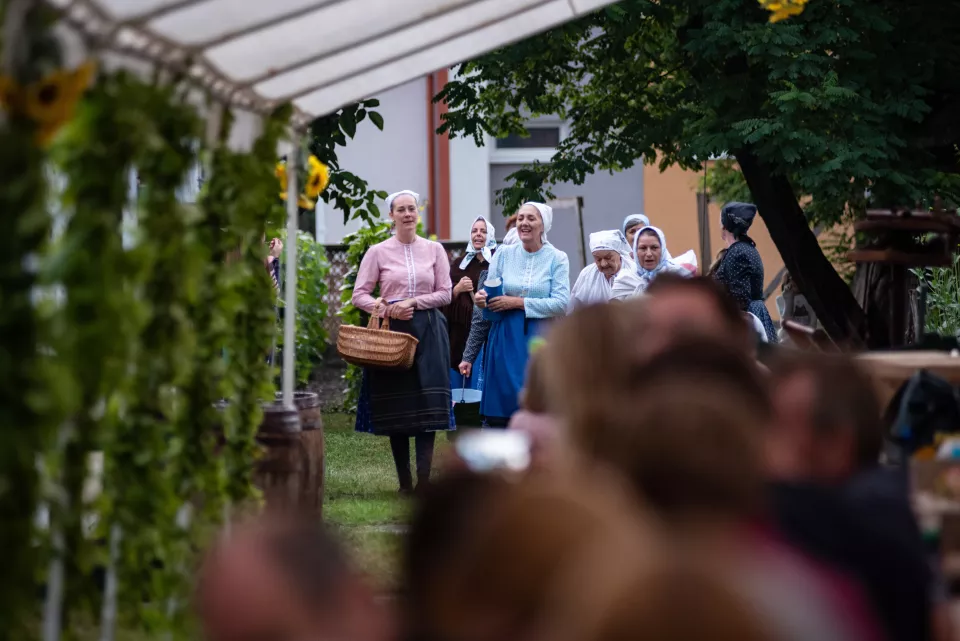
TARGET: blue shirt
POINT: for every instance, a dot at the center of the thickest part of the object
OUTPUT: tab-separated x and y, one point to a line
542	278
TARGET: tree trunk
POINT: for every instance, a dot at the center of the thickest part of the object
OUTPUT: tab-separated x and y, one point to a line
828	294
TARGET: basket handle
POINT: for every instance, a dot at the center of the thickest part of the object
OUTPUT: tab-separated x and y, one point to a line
374	322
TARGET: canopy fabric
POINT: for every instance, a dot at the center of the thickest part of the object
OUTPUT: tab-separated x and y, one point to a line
316	54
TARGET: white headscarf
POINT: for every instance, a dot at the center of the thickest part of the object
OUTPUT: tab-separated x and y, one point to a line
634	283
402	192
592	285
632	220
546	215
512	237
486	251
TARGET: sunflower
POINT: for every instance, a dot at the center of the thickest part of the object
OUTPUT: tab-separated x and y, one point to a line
304	202
782	9
50	102
318	177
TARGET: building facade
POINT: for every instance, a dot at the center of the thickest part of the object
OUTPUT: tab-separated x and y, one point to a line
459	181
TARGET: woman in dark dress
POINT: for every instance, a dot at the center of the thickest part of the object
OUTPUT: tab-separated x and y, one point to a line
739	268
465	276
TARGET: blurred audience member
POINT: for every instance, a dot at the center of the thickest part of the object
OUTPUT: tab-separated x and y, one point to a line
698	305
286	582
615	596
831	496
587	357
687	432
534	417
484	555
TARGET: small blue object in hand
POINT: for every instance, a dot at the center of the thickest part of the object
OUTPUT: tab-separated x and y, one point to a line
494	288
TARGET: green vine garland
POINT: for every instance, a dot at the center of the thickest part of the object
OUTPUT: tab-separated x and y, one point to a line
254	206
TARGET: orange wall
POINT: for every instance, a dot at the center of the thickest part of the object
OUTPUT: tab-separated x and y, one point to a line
670	200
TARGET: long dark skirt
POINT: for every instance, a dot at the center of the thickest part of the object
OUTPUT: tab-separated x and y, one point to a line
416	400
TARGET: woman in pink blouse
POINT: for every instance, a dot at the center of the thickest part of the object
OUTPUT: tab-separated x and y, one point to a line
413	274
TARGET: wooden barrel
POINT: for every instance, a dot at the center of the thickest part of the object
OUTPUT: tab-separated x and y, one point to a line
280	470
311	434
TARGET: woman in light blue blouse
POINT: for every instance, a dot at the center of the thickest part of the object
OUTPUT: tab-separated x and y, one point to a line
535	277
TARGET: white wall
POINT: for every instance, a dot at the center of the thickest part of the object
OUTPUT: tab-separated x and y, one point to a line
469	187
389	160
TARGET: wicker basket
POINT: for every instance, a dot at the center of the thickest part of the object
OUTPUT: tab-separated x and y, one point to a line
375	345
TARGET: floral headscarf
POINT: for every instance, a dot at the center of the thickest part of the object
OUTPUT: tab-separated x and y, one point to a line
665	257
487	250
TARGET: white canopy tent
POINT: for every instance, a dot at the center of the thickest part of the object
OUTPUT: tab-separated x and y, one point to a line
253	55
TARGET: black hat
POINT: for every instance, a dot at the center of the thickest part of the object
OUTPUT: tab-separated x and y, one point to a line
736	218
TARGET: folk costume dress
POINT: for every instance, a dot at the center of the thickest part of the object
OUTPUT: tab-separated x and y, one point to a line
542	279
741	268
459	312
592	286
408	402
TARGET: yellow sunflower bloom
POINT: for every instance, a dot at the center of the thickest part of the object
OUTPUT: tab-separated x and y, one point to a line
783	9
304	202
52	101
318	177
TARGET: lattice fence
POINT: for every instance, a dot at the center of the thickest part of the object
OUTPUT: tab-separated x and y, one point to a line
337	255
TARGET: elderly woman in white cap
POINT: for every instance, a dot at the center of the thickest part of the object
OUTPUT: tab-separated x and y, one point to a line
465	275
414	278
611	255
535	277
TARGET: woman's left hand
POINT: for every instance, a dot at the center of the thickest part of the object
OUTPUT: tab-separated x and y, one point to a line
402	310
504	303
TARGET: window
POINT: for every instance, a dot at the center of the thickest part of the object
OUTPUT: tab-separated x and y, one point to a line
539	146
539	138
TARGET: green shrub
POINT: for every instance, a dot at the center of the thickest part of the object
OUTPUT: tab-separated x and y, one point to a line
943	298
311	334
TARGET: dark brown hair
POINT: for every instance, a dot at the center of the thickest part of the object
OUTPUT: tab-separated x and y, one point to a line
844	398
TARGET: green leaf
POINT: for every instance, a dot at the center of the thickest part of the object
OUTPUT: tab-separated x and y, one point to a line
377	119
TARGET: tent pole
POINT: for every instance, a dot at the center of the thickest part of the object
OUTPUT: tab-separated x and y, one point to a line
290	284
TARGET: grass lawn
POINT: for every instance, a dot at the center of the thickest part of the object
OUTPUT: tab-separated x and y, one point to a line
361	500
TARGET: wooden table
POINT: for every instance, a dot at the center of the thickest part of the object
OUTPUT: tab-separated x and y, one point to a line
891	369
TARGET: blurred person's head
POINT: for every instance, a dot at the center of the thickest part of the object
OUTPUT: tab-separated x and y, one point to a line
586	357
286	581
492	565
615	596
686	429
534	417
697	305
511	222
827	424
